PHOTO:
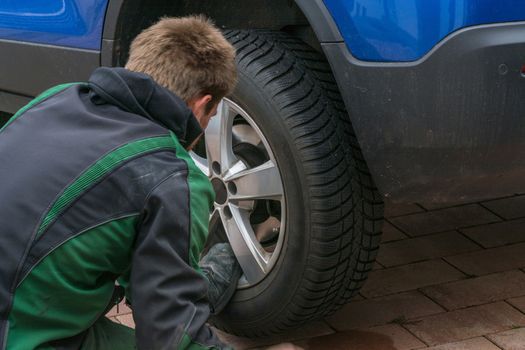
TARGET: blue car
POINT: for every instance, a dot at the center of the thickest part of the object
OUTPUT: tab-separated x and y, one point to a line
340	104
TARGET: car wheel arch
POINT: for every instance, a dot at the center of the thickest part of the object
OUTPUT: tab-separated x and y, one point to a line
307	20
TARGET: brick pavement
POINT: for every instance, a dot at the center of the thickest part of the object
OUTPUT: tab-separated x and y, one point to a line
446	278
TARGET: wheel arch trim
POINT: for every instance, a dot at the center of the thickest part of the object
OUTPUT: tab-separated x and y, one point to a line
320	20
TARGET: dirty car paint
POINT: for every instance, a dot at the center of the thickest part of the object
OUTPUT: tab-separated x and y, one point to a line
70	23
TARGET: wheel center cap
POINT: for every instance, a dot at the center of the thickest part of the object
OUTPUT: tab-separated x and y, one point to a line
221	194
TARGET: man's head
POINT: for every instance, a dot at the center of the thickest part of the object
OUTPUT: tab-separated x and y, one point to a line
190	57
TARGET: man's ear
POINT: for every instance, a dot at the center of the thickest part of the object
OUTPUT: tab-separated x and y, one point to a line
199	105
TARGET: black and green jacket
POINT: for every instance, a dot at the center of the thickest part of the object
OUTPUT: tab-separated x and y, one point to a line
95	183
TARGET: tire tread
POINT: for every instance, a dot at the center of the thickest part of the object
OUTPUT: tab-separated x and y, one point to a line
347	210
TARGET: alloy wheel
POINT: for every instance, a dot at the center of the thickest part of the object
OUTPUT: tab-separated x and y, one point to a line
250	202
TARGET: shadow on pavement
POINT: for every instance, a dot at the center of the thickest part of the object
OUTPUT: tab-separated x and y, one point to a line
355	340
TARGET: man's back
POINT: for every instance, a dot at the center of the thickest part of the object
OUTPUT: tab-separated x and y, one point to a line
83	171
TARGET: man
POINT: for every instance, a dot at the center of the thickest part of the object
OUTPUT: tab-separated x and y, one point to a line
97	184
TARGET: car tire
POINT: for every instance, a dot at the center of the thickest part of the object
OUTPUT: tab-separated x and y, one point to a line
333	210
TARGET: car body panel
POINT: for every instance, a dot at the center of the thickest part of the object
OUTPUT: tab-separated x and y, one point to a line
405	30
445	127
449	127
66	23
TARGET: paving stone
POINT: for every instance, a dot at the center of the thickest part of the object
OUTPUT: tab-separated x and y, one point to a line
388	337
113	319
435	206
444	220
513	339
424	248
314	329
397	209
509	208
409	277
377	266
282	346
401	338
119	309
470	344
467	323
113	311
390	233
498	234
357	297
380	311
238	343
126	320
477	291
491	260
518	302
123	309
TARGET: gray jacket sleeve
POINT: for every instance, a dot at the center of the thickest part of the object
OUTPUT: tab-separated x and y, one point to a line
168	296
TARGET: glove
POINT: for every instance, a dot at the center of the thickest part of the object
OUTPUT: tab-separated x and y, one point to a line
221	269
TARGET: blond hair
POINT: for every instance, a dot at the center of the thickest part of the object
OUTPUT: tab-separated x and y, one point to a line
187	55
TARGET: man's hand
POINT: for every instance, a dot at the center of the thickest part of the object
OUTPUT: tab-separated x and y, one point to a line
221	269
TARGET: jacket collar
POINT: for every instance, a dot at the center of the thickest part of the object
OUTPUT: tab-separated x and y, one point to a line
139	94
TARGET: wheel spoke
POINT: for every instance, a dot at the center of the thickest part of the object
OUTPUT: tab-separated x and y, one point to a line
252	258
219	138
262	182
236	168
201	163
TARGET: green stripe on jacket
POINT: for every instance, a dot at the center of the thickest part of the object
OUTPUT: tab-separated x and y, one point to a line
43	96
69	289
101	168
